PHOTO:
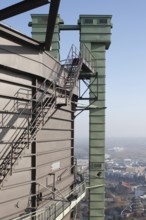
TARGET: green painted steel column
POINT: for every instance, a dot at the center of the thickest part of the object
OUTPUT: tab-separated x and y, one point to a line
95	32
39	25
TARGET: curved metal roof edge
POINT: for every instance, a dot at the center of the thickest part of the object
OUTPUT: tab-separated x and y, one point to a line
17	36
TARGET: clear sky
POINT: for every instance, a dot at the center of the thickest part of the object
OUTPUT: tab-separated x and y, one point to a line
125	59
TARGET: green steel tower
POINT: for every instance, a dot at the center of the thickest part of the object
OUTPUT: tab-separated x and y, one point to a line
39	25
95	32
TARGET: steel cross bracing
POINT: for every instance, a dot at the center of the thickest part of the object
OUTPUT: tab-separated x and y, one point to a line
88	76
88	85
42	106
20	7
82	107
26	5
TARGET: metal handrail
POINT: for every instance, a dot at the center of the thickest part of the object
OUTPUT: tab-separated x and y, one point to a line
88	56
54	210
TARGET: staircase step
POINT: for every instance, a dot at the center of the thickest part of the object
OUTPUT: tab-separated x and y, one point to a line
16	153
3	173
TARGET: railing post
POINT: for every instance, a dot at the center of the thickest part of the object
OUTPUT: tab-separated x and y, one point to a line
2	120
11	159
28	133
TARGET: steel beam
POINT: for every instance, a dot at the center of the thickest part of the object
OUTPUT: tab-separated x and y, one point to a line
53	11
21	7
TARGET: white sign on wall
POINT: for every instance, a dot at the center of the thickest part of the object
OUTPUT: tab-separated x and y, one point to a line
55	166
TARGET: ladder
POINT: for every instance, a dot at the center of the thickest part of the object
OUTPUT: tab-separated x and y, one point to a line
44	105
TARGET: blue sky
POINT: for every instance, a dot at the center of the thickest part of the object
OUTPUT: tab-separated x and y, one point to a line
125	59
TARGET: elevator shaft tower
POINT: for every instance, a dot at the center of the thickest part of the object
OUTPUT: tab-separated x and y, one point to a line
95	33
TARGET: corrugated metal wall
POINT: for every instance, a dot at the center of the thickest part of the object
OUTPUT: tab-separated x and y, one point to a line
52	152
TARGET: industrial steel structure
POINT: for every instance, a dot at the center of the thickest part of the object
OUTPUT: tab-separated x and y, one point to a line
38	102
95	33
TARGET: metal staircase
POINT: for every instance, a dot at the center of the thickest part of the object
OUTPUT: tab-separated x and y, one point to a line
42	106
73	65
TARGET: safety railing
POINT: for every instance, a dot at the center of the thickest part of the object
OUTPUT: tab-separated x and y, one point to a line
57	209
88	56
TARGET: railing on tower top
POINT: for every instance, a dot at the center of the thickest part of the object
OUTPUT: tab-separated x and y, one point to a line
84	53
87	55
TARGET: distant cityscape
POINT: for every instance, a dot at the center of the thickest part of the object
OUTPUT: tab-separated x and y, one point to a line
134	147
125	174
